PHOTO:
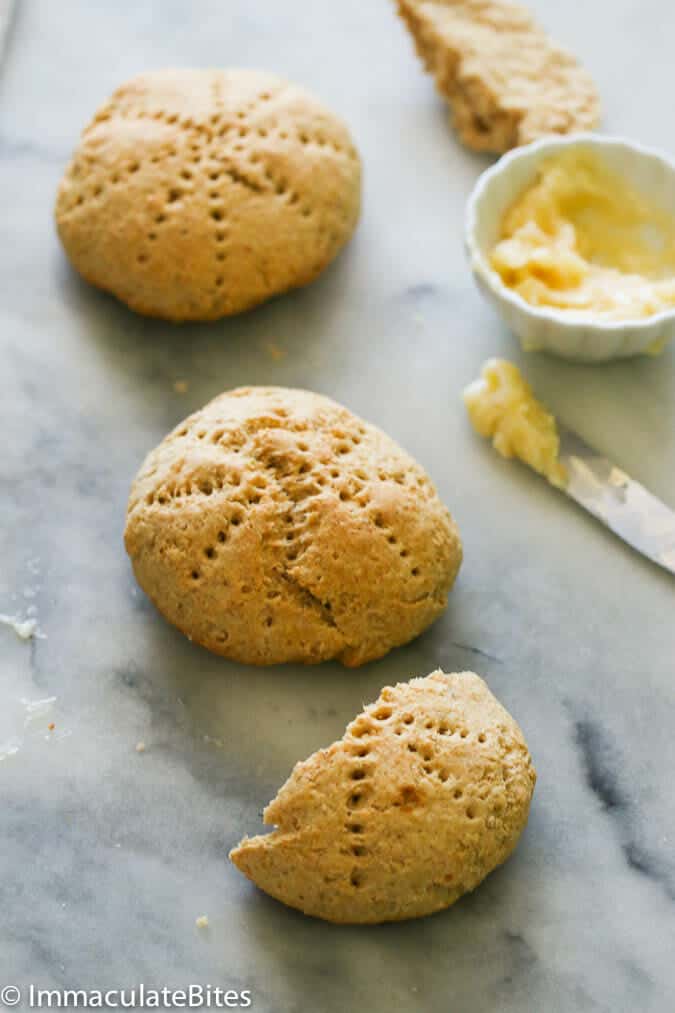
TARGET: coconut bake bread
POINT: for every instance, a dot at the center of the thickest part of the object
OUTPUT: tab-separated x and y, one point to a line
506	82
273	525
196	194
426	793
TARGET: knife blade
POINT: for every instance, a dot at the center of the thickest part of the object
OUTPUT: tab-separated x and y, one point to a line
617	501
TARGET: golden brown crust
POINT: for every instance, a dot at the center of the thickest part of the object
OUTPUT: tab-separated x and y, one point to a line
273	526
427	792
507	83
196	194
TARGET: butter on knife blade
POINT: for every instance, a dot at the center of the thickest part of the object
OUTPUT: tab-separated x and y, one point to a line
502	407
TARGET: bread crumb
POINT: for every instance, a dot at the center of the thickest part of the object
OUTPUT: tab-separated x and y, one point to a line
202	922
24	628
51	726
140	747
274	351
180	386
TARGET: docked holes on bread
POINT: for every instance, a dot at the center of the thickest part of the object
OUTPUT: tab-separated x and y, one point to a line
273	525
196	194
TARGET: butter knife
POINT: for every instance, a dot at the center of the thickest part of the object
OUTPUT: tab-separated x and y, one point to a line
618	501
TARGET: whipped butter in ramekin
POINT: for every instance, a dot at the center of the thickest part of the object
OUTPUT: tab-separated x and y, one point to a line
574	240
582	238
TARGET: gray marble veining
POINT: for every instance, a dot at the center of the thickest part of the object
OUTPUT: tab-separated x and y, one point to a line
107	855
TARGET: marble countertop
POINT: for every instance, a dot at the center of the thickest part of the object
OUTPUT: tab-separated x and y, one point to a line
107	854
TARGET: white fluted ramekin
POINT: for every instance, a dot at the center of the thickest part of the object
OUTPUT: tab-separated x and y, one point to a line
562	332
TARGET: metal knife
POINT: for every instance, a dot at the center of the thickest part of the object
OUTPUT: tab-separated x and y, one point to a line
623	505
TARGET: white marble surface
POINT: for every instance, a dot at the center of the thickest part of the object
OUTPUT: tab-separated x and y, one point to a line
108	855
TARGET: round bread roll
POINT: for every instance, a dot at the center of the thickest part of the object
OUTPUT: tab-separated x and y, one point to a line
427	792
273	526
196	194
